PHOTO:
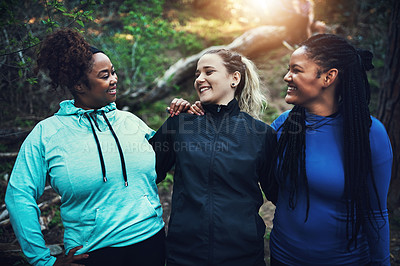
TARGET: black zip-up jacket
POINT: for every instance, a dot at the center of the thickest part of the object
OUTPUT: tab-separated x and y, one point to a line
220	159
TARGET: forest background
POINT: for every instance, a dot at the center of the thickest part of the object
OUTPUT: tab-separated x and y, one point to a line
145	39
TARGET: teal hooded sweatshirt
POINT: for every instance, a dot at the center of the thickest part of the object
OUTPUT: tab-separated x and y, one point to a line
108	192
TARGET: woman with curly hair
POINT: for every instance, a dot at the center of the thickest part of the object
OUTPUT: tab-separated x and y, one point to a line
97	158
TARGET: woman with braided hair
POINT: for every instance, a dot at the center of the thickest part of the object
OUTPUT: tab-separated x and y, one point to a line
333	161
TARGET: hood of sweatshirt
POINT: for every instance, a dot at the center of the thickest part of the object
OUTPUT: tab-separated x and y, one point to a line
67	107
79	115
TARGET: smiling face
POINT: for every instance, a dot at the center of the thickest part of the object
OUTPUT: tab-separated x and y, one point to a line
102	85
213	82
305	86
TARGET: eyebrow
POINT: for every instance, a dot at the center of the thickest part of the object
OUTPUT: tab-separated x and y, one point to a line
105	70
296	65
205	67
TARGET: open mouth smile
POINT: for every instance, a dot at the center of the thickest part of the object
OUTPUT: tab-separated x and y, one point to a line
202	89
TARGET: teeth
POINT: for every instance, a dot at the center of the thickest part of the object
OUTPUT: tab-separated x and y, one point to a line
292	88
203	89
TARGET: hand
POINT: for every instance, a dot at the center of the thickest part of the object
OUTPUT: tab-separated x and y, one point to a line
70	258
178	106
196	109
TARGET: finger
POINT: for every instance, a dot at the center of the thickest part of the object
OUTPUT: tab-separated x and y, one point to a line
80	256
172	105
184	105
178	104
72	252
181	106
198	104
197	109
194	110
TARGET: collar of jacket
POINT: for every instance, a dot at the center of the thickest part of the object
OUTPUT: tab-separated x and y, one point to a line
219	109
68	107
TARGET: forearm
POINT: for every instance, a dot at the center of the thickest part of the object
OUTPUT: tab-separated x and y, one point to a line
163	147
377	230
24	216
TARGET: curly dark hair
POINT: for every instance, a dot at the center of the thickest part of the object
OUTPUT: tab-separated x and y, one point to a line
66	55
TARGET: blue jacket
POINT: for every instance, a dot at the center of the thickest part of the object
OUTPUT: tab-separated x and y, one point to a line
321	240
63	150
219	160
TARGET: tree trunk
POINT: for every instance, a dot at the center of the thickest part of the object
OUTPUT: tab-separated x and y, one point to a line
253	42
389	104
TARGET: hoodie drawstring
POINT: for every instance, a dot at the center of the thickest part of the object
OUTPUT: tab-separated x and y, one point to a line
103	167
121	155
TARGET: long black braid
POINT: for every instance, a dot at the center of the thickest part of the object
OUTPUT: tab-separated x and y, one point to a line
353	91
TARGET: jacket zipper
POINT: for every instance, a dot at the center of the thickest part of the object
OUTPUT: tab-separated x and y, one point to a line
211	195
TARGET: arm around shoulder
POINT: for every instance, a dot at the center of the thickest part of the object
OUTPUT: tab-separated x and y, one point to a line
268	181
163	146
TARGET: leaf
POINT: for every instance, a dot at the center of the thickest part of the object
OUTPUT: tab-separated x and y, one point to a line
80	22
68	15
62	9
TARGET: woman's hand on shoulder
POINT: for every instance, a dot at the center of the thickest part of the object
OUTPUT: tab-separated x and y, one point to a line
70	258
196	109
178	106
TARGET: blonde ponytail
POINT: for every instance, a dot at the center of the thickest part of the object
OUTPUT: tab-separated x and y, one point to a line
248	92
251	99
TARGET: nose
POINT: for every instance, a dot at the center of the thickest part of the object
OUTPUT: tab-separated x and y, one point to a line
288	76
199	80
114	79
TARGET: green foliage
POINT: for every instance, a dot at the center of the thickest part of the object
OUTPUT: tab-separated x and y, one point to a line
56	219
5	168
142	47
365	24
139	41
54	213
24	123
267	235
167	182
270	114
24	24
154	115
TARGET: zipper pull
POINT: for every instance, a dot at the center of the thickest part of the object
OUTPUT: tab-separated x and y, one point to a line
219	108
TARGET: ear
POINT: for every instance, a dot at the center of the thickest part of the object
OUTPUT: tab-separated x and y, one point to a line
330	77
78	88
236	77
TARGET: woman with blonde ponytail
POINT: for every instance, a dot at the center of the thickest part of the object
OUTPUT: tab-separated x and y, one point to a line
251	99
220	159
